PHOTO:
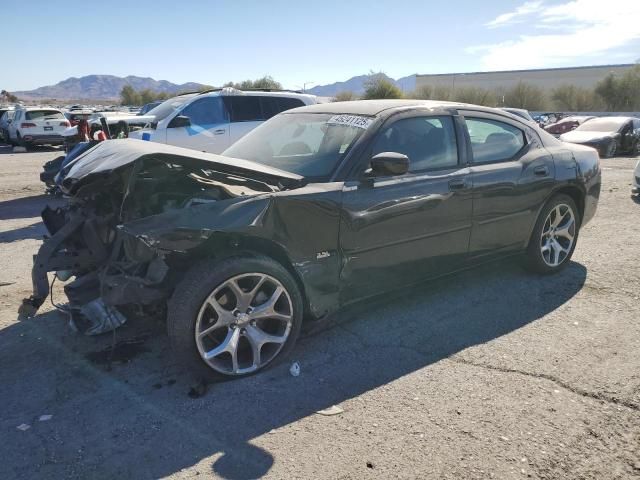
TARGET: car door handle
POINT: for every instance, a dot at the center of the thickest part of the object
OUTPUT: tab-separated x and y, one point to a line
542	171
458	184
220	131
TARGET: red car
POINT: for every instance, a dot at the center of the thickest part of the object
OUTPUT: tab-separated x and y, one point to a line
566	125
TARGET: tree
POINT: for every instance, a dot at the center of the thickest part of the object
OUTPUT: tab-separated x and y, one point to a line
378	86
575	99
130	96
474	95
344	96
428	92
621	93
8	97
266	82
525	95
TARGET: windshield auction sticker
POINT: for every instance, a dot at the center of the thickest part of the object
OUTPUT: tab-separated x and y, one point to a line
351	121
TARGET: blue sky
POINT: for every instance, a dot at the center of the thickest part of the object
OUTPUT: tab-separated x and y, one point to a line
216	41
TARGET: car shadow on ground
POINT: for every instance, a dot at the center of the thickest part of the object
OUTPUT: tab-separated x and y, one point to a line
6	149
27	207
34	231
136	420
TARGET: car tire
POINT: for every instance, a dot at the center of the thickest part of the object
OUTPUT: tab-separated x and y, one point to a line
553	241
191	310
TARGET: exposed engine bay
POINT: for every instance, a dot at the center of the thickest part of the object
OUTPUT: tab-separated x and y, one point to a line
110	270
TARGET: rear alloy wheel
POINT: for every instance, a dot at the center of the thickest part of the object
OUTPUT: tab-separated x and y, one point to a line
554	237
234	317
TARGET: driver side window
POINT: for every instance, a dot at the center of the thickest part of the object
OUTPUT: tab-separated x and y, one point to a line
429	142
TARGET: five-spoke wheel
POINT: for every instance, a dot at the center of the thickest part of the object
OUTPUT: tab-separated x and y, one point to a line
234	317
554	235
243	323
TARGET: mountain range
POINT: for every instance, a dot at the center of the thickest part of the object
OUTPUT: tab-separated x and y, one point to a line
108	87
356	85
102	87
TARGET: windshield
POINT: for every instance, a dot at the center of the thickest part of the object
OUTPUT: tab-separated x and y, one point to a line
602	125
308	144
166	108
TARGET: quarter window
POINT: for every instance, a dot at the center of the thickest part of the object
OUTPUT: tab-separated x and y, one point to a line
206	111
272	106
429	142
492	140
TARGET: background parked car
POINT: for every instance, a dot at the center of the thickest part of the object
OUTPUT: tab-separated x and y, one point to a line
148	107
37	126
608	135
566	124
6	116
213	120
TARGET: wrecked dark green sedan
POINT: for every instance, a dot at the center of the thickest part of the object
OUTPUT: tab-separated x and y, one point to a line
316	208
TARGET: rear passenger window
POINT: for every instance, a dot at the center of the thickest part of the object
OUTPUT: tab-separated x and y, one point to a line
494	141
429	142
246	109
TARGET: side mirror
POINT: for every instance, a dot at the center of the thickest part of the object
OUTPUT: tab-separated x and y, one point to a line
389	163
180	121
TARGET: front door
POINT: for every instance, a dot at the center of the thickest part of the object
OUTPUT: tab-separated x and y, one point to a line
399	229
209	130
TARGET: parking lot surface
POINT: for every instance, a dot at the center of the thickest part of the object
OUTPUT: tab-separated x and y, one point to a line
493	373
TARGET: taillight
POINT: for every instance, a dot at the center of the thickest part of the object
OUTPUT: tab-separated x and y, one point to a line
65	124
27	125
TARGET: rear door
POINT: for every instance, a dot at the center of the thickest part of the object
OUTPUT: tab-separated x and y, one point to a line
512	176
209	129
400	229
246	114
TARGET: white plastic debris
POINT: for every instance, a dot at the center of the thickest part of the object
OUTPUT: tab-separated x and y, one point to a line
332	410
23	427
294	370
45	418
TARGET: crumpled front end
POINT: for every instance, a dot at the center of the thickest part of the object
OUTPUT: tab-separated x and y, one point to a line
96	245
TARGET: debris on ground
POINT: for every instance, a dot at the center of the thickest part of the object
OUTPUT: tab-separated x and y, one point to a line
332	410
45	418
23	427
295	369
198	390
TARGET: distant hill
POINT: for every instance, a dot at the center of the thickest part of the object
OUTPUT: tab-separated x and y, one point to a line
102	87
108	87
356	85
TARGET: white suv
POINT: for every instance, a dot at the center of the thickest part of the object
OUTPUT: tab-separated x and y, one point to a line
37	126
213	120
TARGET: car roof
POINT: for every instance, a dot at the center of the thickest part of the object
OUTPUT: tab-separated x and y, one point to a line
375	107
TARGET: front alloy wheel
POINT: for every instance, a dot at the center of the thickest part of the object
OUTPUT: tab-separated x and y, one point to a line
235	316
244	323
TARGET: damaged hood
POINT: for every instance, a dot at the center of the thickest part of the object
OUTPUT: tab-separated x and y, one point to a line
110	155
